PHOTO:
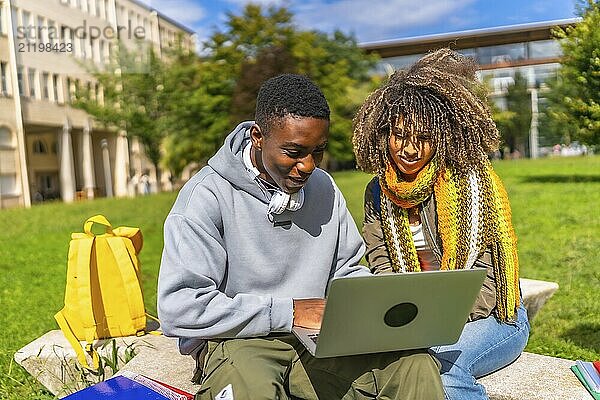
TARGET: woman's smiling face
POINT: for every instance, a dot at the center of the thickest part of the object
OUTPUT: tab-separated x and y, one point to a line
410	149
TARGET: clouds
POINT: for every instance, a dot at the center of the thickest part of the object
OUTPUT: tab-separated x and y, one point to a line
188	12
372	20
379	19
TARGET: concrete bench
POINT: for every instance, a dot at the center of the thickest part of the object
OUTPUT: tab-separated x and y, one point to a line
530	377
52	361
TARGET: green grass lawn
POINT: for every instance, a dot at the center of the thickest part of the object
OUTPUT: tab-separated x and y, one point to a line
556	205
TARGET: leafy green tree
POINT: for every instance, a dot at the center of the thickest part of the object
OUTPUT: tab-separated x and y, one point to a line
130	97
197	103
342	70
514	121
518	101
261	43
573	110
270	61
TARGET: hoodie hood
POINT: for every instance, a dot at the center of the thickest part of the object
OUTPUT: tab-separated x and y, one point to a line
228	162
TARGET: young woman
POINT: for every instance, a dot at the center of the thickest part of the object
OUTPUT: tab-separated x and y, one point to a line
436	203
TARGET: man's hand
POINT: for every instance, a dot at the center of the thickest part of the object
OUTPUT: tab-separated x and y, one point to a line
308	313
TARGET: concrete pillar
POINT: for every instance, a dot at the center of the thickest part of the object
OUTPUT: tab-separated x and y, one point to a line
106	167
121	165
136	164
14	59
67	167
533	130
88	161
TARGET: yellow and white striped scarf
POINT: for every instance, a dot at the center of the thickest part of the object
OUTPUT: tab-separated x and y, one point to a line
473	215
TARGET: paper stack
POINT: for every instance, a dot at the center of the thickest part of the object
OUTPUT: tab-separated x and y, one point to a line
589	374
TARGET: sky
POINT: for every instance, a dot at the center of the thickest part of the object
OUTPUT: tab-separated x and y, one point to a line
375	20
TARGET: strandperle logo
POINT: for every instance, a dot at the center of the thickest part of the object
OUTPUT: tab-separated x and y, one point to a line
83	31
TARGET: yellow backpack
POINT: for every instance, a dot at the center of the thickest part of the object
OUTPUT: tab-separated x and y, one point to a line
103	297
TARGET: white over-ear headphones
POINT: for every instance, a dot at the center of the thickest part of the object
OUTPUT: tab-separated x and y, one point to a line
280	200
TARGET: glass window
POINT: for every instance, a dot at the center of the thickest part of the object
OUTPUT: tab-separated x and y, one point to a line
28	25
544	49
31	73
52	32
3	79
56	87
6	138
65	34
469	52
501	54
39	147
69	91
1	20
20	80
8	184
40	30
394	63
44	84
100	8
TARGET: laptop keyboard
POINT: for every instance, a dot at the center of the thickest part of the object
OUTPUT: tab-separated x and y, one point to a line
314	337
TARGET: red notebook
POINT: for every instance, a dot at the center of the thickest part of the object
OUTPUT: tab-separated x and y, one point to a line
597	366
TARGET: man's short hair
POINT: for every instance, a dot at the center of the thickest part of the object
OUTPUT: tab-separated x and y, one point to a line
289	94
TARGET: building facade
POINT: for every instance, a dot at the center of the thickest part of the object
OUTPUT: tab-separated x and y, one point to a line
48	149
502	52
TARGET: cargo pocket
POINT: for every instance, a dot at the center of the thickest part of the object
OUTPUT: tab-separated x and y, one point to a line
364	387
215	357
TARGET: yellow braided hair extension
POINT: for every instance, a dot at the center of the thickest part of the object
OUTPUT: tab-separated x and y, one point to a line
396	227
508	265
446	192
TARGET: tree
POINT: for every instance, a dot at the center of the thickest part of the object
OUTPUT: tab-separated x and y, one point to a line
514	122
262	43
130	98
197	111
270	61
573	110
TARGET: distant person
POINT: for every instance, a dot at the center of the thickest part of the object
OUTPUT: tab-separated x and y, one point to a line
436	203
251	245
556	149
145	183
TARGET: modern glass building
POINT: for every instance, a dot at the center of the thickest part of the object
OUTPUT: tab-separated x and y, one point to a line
501	52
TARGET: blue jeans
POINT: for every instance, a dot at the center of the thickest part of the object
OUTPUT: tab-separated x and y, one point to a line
484	346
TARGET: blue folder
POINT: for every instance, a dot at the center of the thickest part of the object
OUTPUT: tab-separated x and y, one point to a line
118	388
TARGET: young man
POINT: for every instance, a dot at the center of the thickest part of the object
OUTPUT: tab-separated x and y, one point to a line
251	245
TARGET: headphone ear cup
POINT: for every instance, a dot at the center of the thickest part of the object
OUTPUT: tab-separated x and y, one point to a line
279	202
296	200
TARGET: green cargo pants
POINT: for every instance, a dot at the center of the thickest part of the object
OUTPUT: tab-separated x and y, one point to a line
279	367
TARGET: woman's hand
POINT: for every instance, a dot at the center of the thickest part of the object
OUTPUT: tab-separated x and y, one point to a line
308	313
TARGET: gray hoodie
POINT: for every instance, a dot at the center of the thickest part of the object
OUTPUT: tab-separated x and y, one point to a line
228	271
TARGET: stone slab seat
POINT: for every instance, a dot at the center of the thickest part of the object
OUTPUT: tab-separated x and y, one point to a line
530	377
51	360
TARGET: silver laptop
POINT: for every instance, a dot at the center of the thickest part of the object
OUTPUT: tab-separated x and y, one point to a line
380	313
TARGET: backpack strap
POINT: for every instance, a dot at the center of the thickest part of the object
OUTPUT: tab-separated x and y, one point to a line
84	252
75	344
124	252
377	196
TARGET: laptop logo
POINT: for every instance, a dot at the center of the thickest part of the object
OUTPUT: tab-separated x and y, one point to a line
400	315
